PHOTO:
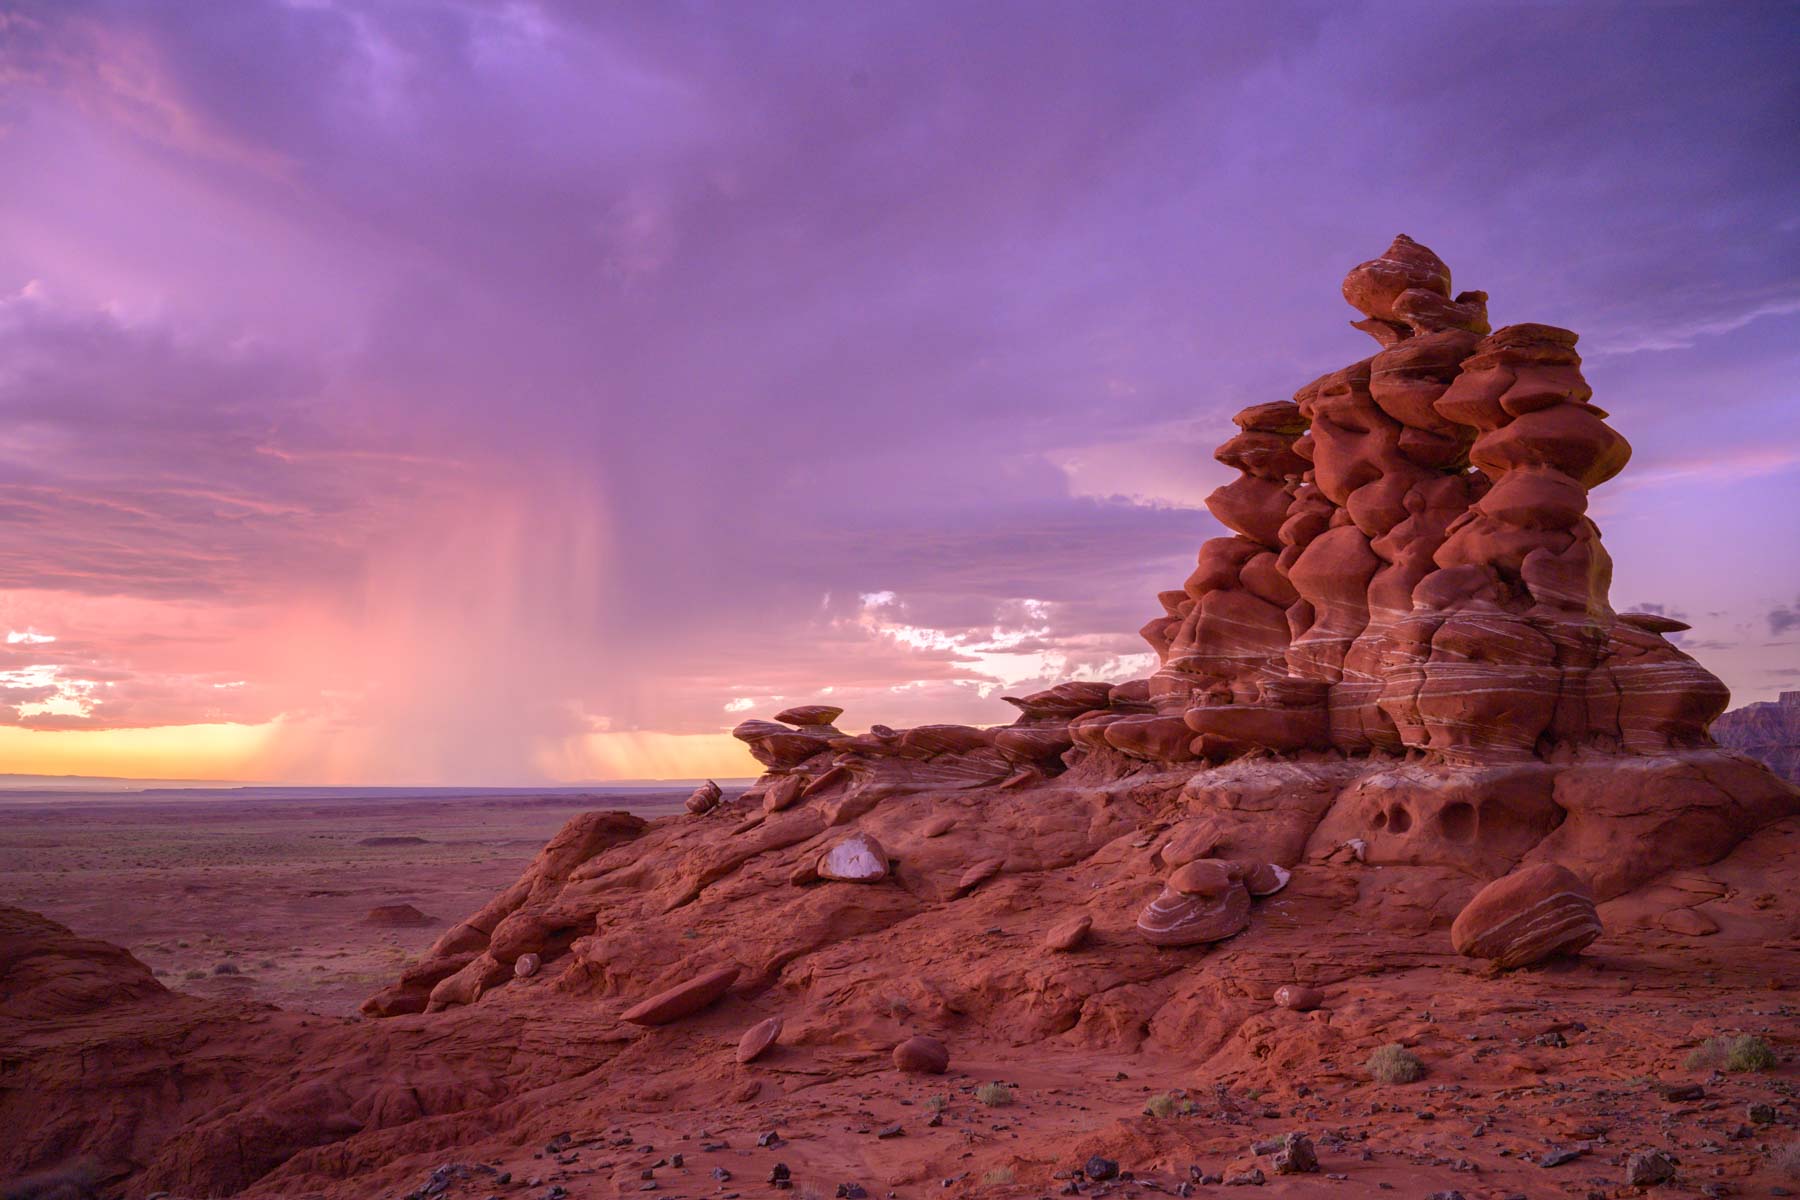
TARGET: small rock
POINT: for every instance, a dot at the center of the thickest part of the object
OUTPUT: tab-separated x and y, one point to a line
1069	935
771	1138
1647	1168
938	826
1761	1114
1098	1168
757	1039
1561	1155
526	965
780	1173
1299	997
890	1131
1680	1093
1296	1156
979	873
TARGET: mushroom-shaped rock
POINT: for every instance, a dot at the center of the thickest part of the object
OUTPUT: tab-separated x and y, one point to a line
1070	934
859	858
758	1038
1537	912
922	1055
780	748
526	965
784	792
705	798
979	873
1299	997
1205	901
682	1000
809	714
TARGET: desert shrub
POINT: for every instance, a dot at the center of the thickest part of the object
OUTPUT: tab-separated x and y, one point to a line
1168	1105
994	1095
267	964
1394	1063
998	1176
225	969
937	1103
1785	1161
1743	1053
193	974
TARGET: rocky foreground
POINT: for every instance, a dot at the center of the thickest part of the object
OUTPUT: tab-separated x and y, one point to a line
1413	868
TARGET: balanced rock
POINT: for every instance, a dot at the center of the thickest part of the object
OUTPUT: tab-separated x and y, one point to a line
1070	934
859	858
1204	901
1537	912
705	798
682	1000
922	1055
757	1039
809	714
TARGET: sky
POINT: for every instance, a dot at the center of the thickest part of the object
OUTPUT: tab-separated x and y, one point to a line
430	391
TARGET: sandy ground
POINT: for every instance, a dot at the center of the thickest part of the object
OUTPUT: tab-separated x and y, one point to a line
268	898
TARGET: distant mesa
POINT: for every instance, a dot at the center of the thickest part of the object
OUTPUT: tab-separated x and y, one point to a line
1768	731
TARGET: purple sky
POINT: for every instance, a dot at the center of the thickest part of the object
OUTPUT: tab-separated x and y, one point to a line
466	392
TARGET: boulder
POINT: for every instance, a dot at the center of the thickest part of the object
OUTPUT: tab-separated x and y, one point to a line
705	798
859	858
1204	901
526	965
922	1055
1537	912
783	792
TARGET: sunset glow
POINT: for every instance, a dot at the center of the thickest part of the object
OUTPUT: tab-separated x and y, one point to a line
526	393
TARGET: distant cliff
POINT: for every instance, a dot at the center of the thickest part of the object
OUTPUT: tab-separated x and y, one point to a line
1769	731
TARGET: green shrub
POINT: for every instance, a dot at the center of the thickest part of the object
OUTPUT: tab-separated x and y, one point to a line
1168	1105
1394	1063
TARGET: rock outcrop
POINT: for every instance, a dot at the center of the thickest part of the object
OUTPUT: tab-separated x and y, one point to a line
1401	654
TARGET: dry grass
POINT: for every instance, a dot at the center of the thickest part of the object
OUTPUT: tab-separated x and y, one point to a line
1743	1053
998	1176
994	1095
1394	1063
1168	1105
1785	1160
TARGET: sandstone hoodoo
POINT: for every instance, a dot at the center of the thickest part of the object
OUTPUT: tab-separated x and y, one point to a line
1396	675
705	798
